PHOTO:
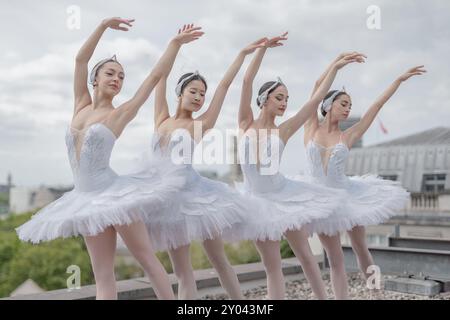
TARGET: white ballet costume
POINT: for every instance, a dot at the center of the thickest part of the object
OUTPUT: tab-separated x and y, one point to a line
203	208
279	203
369	199
100	198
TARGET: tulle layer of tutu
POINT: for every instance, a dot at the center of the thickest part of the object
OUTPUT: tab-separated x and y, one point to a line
128	199
202	210
370	200
290	207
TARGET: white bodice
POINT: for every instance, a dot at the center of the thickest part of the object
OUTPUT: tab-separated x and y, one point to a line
176	148
327	165
89	153
261	174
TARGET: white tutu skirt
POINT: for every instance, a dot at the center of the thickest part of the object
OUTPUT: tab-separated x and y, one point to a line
370	201
126	199
290	205
203	209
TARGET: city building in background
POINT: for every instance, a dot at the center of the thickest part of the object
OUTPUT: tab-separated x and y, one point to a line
24	199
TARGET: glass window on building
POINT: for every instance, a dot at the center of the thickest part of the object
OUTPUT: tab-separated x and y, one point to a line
392	177
433	183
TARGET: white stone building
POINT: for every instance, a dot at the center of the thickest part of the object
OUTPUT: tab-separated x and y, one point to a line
24	199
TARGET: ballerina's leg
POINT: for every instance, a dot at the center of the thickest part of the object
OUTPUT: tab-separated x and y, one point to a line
182	267
298	240
359	244
101	249
333	248
137	240
271	258
216	254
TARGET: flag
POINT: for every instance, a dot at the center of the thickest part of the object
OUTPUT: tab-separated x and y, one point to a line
382	127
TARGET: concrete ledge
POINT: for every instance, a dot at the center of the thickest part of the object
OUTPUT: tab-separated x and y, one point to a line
401	261
421	220
414	286
140	288
419	243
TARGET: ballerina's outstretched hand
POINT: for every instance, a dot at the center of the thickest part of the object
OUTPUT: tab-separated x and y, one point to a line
188	33
260	43
116	23
419	70
276	41
345	59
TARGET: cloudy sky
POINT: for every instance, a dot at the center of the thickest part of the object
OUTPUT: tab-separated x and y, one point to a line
38	49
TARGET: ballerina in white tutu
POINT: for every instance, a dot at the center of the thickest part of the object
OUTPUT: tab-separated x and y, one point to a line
370	200
103	203
285	205
204	208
